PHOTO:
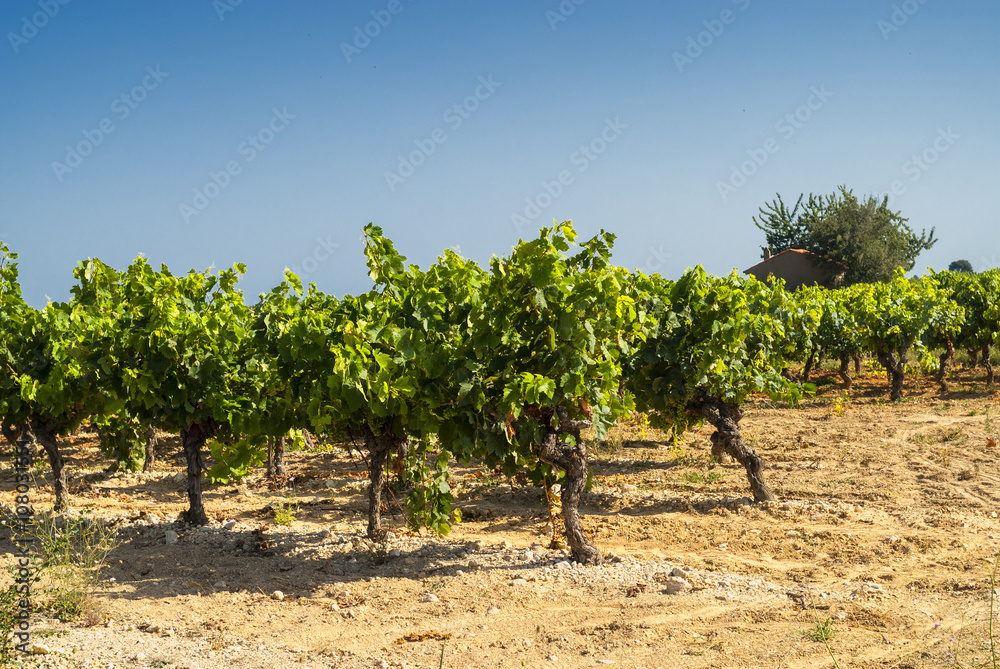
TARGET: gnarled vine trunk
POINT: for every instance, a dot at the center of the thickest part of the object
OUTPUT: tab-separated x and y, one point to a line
380	447
857	364
973	357
809	364
844	371
194	439
986	361
276	457
728	438
45	434
149	459
572	459
895	365
949	354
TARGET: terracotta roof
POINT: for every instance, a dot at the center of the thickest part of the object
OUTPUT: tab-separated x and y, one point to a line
798	251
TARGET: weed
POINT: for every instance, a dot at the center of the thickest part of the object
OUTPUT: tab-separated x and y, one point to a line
952	435
73	551
9	605
284	514
821	631
840	405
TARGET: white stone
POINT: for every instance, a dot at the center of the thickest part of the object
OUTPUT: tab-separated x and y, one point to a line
675	585
429	598
171	537
278	595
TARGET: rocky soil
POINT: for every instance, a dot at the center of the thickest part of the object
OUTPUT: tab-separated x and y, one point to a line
883	532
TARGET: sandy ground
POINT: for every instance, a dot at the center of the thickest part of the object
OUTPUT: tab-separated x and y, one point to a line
886	520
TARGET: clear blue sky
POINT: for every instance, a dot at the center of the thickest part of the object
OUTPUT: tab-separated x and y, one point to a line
632	115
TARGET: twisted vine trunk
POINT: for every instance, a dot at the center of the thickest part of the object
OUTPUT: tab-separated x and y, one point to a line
973	357
380	447
728	438
895	365
149	458
276	457
986	361
809	364
13	434
194	439
943	359
45	434
845	370
572	459
857	364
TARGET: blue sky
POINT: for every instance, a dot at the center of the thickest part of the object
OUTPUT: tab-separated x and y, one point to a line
207	133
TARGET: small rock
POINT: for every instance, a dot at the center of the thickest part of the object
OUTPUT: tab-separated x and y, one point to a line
680	572
394	553
278	595
492	611
563	565
459	573
230	525
171	537
519	581
153	628
508	545
220	585
429	598
628	487
382	664
180	477
39	649
284	566
675	585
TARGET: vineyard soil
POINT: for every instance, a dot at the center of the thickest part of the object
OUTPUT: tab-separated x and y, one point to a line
885	518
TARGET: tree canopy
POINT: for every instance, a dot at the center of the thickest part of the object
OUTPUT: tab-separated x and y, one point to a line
963	266
864	235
